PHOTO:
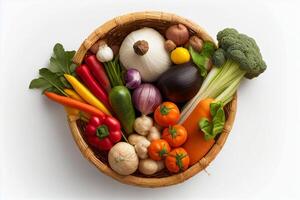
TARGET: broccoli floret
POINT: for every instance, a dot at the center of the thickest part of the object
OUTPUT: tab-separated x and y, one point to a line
240	48
219	57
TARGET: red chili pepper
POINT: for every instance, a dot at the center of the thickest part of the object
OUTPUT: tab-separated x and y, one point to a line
98	71
84	73
103	133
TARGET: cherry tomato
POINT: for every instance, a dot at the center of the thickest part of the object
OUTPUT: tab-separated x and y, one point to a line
158	149
167	114
177	160
175	135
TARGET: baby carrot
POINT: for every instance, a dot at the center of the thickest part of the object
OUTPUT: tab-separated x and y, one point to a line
67	101
73	94
73	111
86	94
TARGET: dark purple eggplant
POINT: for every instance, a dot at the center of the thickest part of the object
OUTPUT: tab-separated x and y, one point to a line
180	83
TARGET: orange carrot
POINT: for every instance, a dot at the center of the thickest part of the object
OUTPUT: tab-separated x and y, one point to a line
72	94
67	101
196	146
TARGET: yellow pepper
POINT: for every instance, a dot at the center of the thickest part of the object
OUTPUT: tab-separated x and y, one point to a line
180	55
86	94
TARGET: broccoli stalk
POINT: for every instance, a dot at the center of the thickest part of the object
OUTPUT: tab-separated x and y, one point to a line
238	56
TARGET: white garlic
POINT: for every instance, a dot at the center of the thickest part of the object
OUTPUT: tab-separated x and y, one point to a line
104	53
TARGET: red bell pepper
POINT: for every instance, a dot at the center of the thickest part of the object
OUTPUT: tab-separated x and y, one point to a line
98	71
103	133
84	73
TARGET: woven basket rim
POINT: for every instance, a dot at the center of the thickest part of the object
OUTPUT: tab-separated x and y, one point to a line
89	154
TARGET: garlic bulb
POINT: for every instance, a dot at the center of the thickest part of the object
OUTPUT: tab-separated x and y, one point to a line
144	51
104	53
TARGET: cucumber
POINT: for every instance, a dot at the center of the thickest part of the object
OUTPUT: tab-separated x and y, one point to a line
120	100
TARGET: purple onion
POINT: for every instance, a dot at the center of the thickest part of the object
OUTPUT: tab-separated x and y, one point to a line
146	98
133	78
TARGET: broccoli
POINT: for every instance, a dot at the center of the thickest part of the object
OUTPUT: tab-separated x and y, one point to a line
240	48
238	56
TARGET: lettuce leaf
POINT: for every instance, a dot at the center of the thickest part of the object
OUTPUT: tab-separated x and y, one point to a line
212	128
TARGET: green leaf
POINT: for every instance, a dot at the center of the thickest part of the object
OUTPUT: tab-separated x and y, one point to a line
55	65
72	68
199	60
202	59
52	89
212	128
208	49
52	78
206	127
39	83
61	61
218	114
60	56
65	83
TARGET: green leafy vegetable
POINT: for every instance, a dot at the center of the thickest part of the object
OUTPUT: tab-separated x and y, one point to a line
48	81
212	128
202	59
61	61
52	78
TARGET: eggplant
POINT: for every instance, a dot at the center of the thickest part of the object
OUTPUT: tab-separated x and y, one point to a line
180	83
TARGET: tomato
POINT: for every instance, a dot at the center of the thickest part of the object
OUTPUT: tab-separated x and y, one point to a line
177	161
167	114
158	149
175	135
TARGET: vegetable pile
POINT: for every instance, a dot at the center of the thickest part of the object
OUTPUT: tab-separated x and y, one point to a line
156	102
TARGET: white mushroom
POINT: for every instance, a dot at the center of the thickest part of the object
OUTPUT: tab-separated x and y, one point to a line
133	139
149	167
143	124
160	165
154	134
141	148
140	144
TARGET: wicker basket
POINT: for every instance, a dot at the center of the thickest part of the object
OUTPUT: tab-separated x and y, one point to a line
115	31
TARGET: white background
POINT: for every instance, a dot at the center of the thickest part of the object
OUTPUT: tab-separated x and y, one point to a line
39	159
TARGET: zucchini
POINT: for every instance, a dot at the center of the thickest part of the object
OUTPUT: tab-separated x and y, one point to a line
120	100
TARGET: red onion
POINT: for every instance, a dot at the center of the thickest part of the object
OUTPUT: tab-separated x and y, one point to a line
146	98
133	78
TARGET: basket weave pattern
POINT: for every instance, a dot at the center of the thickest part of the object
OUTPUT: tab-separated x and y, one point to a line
114	31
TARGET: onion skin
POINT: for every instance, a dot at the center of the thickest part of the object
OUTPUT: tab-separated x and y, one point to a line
133	78
180	83
146	98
